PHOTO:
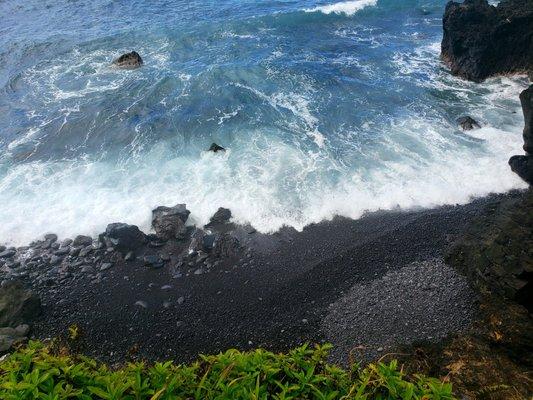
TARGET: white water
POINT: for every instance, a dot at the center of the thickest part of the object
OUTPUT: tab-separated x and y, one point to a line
347	7
267	183
291	168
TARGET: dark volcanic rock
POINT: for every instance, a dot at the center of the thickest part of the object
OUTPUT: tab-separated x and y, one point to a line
7	253
215	147
82	241
129	60
526	98
123	237
50	237
221	216
169	222
481	40
226	245
523	165
496	250
17	304
153	261
468	123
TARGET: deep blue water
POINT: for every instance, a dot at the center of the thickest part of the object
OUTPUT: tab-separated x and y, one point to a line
326	108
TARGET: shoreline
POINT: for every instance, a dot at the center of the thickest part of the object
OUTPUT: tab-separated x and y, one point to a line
273	291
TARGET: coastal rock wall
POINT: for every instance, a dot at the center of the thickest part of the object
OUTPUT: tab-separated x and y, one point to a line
523	164
481	40
496	252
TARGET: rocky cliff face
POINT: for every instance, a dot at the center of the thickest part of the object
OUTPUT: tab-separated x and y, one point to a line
496	251
523	164
481	40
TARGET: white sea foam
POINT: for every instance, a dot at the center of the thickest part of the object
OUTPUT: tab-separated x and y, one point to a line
298	105
266	178
346	7
264	181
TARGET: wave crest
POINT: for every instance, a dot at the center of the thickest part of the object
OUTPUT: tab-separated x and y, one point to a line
346	7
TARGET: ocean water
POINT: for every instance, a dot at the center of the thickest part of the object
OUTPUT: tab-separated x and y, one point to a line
326	108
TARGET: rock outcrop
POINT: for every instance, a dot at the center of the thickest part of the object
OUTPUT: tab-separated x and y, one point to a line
481	40
129	61
523	164
123	237
169	222
496	251
222	216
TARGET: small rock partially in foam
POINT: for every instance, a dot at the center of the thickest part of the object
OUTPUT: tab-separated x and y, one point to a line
215	148
468	123
129	60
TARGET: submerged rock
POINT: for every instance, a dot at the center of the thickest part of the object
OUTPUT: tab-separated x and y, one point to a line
18	305
123	237
129	60
215	148
169	222
468	123
481	40
523	164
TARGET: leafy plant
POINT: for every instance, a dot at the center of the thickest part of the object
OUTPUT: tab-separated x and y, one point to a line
36	372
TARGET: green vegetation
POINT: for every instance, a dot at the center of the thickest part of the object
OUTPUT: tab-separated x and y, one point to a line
35	372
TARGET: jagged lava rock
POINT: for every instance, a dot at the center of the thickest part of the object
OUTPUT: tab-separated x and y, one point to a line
481	40
169	222
221	216
123	237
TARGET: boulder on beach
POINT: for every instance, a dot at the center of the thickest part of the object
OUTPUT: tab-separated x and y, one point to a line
468	123
129	60
82	240
222	216
523	164
215	148
523	167
18	305
169	222
123	237
225	245
481	40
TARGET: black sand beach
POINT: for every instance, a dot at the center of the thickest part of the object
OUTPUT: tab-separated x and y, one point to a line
371	283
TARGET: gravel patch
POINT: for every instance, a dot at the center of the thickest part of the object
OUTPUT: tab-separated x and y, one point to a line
422	301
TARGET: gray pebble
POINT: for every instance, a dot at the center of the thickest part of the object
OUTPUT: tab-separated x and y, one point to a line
105	266
141	303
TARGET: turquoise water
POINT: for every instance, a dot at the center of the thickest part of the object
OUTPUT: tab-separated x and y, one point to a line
326	108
